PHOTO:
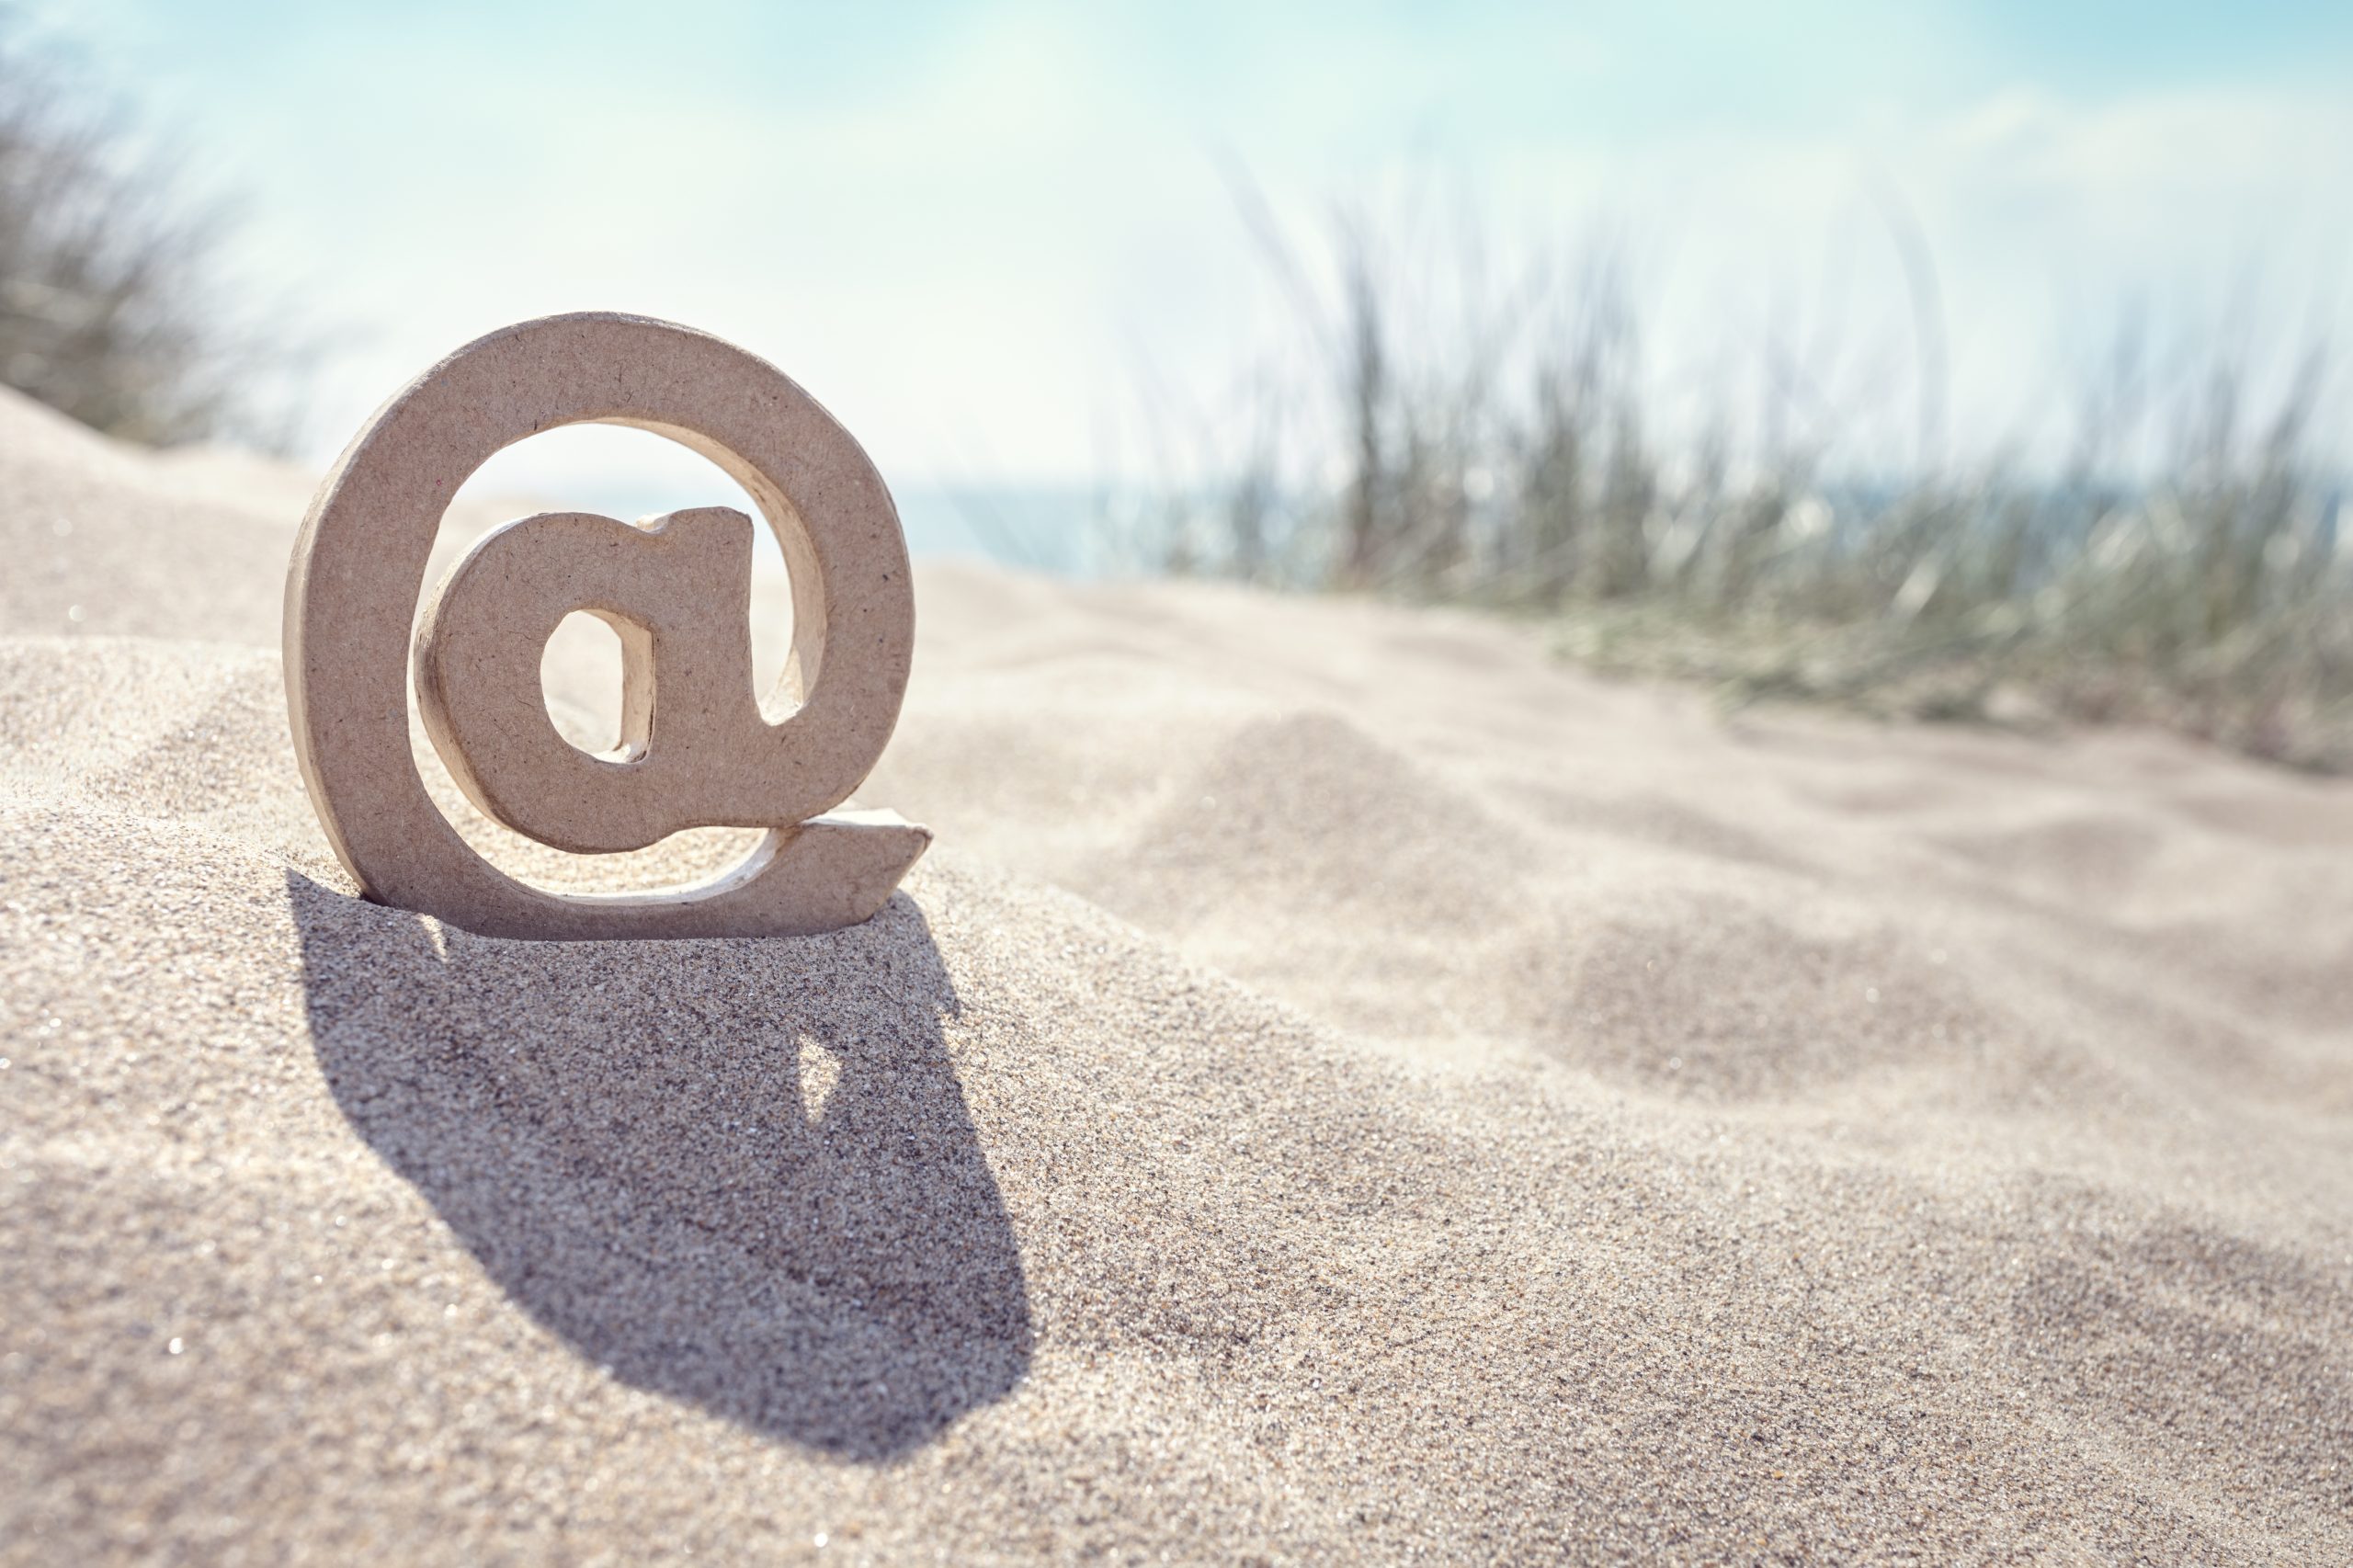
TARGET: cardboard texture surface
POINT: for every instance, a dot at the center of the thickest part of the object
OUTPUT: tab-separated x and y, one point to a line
695	750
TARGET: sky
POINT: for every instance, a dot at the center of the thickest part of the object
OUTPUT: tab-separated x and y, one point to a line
994	238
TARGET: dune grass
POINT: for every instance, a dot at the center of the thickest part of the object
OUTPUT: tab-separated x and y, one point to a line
2182	562
116	302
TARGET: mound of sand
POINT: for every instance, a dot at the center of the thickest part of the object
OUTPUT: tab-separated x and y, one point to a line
1343	1086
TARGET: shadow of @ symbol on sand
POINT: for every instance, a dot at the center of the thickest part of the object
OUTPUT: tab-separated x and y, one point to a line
619	1132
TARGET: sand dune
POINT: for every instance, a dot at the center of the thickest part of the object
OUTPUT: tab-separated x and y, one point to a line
1343	1086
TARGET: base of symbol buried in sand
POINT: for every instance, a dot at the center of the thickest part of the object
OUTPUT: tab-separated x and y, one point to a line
695	750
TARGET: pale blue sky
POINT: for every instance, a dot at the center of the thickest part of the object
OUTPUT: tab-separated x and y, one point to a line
967	227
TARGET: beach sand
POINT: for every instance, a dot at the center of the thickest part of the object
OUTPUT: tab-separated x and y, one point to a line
1342	1087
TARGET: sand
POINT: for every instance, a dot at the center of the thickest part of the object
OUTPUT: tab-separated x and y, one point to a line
1343	1086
